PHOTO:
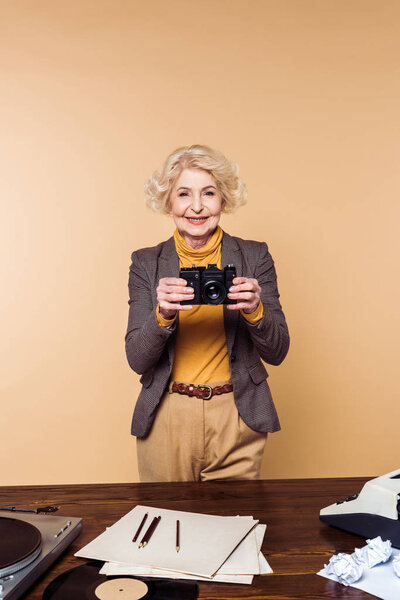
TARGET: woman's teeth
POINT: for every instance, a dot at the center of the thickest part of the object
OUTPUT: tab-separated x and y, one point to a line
197	220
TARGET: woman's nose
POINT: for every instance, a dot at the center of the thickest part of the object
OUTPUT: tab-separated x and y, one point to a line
197	203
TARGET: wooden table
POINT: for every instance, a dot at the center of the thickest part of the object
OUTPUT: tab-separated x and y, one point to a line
297	543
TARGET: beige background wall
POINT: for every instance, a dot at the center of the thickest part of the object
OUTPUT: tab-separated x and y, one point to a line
305	96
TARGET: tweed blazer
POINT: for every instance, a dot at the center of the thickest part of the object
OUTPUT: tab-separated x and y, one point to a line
150	348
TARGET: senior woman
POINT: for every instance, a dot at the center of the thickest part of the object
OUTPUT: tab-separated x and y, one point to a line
205	407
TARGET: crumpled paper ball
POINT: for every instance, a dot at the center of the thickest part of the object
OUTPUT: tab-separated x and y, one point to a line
396	564
345	568
377	551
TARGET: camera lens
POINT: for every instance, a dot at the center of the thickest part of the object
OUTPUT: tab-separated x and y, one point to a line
213	292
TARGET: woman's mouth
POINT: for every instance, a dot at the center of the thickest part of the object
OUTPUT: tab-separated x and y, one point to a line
197	220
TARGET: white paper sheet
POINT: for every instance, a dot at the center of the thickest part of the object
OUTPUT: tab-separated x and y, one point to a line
223	575
206	541
244	560
114	569
380	581
264	566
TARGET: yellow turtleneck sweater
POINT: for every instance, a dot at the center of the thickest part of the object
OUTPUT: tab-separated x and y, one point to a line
201	353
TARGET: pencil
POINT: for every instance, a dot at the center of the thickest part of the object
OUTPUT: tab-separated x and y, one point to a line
140	528
149	532
178	545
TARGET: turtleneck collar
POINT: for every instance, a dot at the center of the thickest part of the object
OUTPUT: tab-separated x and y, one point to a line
185	251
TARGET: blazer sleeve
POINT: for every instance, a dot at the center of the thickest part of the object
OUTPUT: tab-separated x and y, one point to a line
145	339
270	334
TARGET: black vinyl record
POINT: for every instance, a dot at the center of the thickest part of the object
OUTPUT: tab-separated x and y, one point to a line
20	542
84	583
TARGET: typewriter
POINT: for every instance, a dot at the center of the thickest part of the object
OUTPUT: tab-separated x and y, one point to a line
373	511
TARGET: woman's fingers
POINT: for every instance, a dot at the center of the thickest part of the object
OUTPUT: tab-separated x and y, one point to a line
246	291
173	296
174	285
170	292
169	306
241	284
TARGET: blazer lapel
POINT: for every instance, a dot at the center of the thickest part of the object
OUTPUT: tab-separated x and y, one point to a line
168	262
231	255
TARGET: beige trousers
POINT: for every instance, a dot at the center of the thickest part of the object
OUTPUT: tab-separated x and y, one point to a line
199	440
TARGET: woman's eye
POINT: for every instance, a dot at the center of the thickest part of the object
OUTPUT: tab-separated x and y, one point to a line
183	194
209	193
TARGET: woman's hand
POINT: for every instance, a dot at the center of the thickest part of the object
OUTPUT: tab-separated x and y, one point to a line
170	291
246	292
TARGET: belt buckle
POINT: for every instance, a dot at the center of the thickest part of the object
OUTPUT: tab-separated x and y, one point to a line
210	391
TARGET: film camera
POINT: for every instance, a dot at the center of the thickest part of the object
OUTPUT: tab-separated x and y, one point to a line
210	285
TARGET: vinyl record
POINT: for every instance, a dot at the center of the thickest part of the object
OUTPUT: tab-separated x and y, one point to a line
20	544
85	583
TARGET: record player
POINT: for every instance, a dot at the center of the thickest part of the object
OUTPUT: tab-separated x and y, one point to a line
29	544
373	511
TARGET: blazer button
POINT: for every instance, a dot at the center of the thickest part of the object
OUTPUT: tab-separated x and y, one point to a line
233	358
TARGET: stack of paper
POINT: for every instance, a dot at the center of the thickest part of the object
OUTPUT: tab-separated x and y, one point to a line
211	547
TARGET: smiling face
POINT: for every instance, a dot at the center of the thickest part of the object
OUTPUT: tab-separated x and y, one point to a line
196	205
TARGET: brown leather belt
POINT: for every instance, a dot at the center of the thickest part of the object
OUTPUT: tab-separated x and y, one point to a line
200	391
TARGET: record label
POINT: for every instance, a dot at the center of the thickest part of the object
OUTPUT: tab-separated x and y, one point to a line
121	589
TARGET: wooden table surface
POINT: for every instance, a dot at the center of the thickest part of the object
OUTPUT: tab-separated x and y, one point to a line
296	544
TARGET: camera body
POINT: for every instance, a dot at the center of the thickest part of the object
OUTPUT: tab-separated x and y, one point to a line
210	285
